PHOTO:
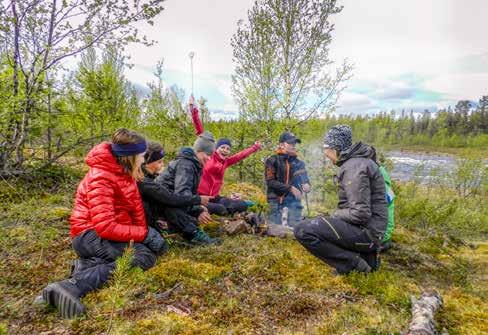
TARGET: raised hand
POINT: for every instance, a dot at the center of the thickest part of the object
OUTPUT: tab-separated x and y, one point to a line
191	101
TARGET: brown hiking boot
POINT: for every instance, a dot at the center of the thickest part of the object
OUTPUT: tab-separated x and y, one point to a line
65	296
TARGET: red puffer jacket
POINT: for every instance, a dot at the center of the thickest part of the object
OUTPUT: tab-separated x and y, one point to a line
213	171
108	201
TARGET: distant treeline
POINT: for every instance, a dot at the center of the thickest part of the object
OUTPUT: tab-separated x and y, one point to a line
463	126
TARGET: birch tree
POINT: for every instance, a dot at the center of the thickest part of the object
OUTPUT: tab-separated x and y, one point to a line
36	36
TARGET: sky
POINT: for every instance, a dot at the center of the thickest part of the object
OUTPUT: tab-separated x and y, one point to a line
407	54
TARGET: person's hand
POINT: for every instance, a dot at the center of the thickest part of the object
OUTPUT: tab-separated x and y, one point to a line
204	199
204	218
296	192
258	144
235	196
191	101
306	188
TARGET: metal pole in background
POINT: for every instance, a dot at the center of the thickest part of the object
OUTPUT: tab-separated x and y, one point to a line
191	55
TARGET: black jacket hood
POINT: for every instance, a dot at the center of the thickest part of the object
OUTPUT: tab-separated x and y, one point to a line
188	153
358	150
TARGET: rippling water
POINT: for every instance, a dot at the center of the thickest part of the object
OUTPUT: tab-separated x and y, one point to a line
410	165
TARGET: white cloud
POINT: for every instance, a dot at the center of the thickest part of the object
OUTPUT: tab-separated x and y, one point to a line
460	86
402	50
355	103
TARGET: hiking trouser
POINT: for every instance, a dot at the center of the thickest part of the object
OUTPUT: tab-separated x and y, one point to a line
181	221
99	255
276	209
334	241
224	206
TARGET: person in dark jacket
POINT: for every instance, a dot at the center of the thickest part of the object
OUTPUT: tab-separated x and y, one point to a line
182	177
107	216
155	196
350	238
286	180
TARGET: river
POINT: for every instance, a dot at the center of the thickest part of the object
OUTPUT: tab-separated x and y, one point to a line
408	165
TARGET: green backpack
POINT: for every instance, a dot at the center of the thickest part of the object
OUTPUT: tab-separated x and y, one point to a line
390	199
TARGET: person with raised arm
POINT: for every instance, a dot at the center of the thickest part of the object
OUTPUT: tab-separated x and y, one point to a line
214	170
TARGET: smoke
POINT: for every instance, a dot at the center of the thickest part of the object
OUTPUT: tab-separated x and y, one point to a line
320	172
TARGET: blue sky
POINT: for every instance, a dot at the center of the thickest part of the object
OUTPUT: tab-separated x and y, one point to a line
407	53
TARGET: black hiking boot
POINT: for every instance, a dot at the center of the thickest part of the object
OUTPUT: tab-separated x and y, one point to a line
362	266
201	238
65	296
372	259
386	246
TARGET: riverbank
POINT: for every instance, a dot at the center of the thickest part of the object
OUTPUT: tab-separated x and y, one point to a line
460	152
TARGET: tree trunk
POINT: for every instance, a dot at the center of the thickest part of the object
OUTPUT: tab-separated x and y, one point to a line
49	125
13	122
423	312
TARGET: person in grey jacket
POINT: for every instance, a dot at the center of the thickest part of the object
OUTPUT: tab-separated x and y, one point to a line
350	238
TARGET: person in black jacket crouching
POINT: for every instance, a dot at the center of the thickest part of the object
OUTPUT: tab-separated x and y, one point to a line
349	239
157	199
181	177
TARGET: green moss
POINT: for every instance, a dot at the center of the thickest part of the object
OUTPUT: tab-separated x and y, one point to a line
164	323
387	287
3	329
464	313
189	272
249	284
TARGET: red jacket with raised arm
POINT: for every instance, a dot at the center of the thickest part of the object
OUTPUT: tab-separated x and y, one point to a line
108	200
214	170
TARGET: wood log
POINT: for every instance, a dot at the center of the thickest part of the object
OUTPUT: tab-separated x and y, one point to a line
423	312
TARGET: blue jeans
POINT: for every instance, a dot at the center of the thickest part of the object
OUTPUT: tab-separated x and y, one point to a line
294	211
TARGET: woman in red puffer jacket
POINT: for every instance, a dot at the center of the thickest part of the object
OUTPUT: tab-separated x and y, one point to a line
107	216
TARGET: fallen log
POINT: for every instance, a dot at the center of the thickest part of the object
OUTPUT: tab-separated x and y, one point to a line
423	312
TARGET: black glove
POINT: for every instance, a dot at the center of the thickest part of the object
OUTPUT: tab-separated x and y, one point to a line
155	241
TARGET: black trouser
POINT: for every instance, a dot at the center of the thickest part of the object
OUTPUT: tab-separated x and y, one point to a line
181	221
101	254
334	241
224	206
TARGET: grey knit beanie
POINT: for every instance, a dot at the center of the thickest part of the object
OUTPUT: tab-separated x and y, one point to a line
339	138
205	142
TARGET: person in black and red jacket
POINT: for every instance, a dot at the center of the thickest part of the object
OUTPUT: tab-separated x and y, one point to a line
286	180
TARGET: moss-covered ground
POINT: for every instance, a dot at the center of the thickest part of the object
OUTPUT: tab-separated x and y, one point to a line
247	285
